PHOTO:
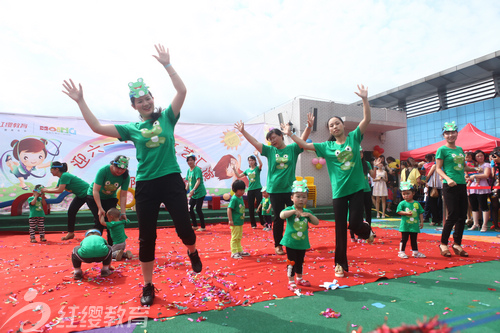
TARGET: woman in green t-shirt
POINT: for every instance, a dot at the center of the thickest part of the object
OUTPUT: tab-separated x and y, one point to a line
281	163
70	183
196	192
345	169
254	193
159	177
101	195
450	165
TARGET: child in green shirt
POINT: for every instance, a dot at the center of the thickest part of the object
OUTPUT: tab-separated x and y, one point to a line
93	248
236	217
37	214
265	205
116	228
411	214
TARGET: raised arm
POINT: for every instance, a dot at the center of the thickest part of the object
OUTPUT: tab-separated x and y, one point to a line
240	126
367	114
163	58
302	143
76	94
310	123
236	173
256	153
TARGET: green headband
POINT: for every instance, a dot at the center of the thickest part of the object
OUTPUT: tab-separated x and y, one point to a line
122	162
299	186
450	127
406	186
138	89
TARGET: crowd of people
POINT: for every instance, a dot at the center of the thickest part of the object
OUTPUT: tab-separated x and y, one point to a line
355	182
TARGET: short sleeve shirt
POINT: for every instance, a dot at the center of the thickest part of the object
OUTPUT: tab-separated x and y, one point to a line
192	177
93	246
367	188
281	165
265	205
344	164
74	184
155	145
36	210
109	183
296	233
410	223
453	163
237	206
117	230
253	178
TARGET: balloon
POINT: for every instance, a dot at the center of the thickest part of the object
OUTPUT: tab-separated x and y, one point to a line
319	166
393	165
376	153
322	161
309	141
226	196
315	161
377	147
381	150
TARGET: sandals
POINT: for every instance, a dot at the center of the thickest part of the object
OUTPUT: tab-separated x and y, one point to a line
70	235
303	283
279	250
292	286
445	253
460	252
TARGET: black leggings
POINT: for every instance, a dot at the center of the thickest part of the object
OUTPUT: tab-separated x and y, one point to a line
253	195
494	211
74	207
455	198
77	260
199	205
106	205
149	194
297	256
352	203
404	240
436	207
278	202
367	205
479	201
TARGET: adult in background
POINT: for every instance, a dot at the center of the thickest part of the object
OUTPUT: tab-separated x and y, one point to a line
281	163
71	183
159	177
478	198
346	176
450	165
495	162
101	195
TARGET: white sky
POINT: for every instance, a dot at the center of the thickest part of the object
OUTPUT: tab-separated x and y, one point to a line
238	59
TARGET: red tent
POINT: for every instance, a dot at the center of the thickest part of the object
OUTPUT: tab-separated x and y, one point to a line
469	138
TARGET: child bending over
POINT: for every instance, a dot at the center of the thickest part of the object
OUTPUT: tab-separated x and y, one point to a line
93	248
116	228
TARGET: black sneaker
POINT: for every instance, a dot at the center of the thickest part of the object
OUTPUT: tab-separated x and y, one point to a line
148	294
195	261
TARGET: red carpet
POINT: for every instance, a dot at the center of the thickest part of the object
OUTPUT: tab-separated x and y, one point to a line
64	305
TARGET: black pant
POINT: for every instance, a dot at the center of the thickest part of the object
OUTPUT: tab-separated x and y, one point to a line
252	196
367	205
404	240
74	207
106	205
436	207
479	201
456	201
353	204
494	211
77	260
149	194
297	256
427	206
278	202
199	205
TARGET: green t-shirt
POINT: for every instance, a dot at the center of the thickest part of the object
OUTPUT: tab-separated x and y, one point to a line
74	184
93	246
237	206
410	223
344	164
296	233
253	178
265	205
368	188
117	230
36	210
281	165
453	163
192	177
155	145
109	183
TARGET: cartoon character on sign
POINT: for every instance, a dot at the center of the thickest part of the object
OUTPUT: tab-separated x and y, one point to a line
27	157
224	168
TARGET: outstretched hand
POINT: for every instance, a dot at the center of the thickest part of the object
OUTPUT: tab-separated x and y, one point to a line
163	56
287	129
72	91
240	126
310	119
363	92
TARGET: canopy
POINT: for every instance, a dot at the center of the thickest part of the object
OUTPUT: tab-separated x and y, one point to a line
469	138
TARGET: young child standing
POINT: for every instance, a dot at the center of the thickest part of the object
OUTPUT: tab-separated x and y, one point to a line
236	217
265	205
93	248
37	214
296	238
411	212
116	229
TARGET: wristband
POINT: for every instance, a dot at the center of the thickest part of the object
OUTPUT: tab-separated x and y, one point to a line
167	65
123	214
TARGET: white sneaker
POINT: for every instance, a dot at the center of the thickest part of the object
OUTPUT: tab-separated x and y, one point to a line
402	255
339	271
236	256
418	255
